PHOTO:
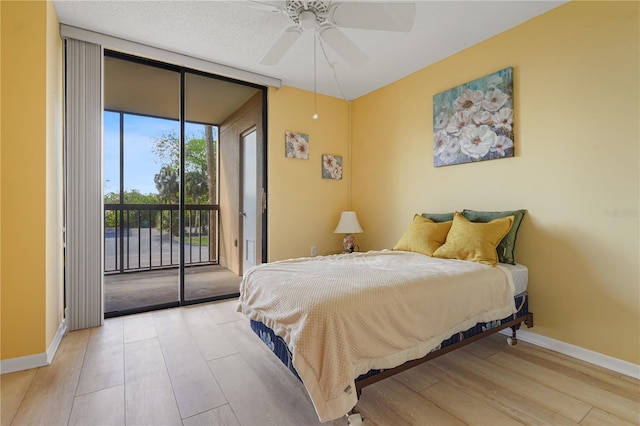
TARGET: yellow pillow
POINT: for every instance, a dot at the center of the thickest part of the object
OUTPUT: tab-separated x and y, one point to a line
474	241
423	236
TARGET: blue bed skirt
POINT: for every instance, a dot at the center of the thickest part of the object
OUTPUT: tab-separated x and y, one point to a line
280	349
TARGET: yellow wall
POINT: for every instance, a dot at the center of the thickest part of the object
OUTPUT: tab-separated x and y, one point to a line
0	180
31	105
304	208
576	91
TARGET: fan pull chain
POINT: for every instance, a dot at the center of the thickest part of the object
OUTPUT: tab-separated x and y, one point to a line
333	68
315	79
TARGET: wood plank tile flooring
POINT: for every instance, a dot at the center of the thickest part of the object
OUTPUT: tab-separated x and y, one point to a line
202	365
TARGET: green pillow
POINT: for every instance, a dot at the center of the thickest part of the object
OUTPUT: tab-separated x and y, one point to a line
439	217
508	244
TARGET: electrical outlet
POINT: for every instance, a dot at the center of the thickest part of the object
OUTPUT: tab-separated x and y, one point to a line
313	250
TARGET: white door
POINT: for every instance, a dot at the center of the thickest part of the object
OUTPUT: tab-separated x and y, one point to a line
249	200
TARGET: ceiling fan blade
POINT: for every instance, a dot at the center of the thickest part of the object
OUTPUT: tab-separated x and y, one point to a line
282	46
274	6
342	45
374	16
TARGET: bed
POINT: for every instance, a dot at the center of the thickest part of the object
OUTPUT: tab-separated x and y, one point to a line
345	321
342	322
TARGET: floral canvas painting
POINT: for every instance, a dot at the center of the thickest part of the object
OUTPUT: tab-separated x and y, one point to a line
296	145
331	167
474	121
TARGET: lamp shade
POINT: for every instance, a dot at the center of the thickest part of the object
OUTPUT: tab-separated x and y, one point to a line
348	224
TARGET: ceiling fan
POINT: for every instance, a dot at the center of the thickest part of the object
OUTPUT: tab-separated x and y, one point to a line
325	17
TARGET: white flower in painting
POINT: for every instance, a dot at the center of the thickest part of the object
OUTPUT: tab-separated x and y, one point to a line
290	137
331	167
301	138
441	120
501	144
459	121
503	118
300	148
448	157
493	81
477	141
440	141
329	162
450	152
453	146
482	117
469	101
336	172
494	99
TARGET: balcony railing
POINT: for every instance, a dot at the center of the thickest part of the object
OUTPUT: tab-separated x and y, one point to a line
147	236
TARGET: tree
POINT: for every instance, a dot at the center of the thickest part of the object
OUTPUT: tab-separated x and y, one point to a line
200	175
200	163
213	189
167	184
210	146
195	185
129	197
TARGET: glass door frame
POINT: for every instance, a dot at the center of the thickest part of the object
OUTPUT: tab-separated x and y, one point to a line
181	203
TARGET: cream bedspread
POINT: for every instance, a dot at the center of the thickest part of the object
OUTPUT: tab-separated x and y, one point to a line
344	315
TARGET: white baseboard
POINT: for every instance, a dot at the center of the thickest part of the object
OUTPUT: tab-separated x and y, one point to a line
23	363
12	365
608	362
53	346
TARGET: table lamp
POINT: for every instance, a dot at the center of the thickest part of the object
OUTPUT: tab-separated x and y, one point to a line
348	225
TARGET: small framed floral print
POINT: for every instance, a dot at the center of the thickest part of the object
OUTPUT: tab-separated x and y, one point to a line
474	121
296	145
331	166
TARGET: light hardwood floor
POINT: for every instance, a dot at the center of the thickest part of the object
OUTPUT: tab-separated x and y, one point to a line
202	365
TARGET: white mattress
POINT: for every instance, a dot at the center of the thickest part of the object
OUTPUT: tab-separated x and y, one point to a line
520	275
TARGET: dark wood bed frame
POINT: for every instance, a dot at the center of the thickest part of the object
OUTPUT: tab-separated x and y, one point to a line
353	416
514	324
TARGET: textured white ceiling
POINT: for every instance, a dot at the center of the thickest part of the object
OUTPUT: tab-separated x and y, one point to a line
237	33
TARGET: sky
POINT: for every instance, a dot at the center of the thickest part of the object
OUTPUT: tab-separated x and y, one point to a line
140	163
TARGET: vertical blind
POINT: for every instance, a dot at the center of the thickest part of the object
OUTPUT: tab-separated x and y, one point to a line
83	175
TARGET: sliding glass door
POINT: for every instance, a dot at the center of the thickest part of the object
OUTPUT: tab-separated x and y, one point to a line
141	186
201	209
162	186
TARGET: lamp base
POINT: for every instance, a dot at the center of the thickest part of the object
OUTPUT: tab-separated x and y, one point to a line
348	243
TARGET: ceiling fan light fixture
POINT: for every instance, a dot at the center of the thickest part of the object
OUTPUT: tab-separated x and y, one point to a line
325	17
307	19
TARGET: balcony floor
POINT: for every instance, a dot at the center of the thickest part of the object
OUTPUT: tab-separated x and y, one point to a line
136	290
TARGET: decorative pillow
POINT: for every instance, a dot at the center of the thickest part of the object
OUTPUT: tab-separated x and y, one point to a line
508	244
439	217
423	236
474	241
